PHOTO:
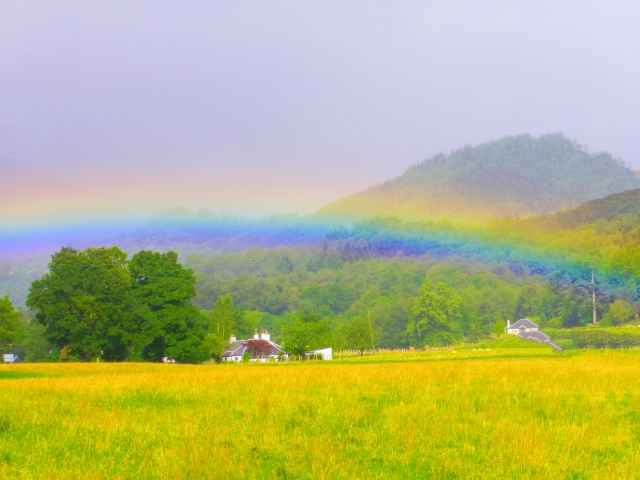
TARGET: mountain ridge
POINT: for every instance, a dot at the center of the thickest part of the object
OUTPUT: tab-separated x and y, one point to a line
515	176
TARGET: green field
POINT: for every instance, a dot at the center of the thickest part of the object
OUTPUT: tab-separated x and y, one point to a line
469	412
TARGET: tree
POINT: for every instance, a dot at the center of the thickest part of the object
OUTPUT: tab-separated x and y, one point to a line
356	334
33	341
173	327
223	317
93	303
85	303
620	312
307	332
221	325
10	322
498	328
259	348
575	307
436	307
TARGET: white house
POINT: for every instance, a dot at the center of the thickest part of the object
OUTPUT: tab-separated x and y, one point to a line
260	348
522	325
527	330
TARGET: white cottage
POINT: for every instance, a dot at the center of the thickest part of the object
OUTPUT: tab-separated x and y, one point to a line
521	326
527	330
260	348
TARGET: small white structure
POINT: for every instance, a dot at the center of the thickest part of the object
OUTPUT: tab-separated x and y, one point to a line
9	357
327	353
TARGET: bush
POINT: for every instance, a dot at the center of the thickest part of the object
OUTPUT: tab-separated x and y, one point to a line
612	337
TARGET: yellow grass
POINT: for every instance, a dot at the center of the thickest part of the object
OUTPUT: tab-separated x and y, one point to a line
469	414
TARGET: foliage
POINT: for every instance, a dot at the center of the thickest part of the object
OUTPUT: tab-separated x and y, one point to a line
223	317
34	344
356	334
86	304
620	312
259	349
10	322
436	310
221	326
345	290
95	304
509	342
605	337
16	275
307	332
173	327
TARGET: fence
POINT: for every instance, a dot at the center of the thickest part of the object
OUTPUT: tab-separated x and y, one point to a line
403	350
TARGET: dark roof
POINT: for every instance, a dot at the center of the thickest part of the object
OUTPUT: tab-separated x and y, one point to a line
523	323
255	346
537	336
236	349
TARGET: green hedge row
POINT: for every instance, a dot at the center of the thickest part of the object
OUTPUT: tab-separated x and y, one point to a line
595	338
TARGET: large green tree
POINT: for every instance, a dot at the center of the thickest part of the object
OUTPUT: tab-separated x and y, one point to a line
172	327
307	332
85	303
356	334
436	310
620	312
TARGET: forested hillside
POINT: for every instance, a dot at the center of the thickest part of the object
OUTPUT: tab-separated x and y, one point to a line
540	268
515	176
273	287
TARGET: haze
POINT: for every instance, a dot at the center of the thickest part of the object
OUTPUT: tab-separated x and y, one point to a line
257	108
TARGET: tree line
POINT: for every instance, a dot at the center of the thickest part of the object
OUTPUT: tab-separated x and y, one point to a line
98	304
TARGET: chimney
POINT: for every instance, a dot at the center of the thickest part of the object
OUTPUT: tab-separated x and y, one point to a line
255	334
232	338
508	323
265	335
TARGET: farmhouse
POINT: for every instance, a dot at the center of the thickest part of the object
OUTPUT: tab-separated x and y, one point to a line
260	348
522	325
527	330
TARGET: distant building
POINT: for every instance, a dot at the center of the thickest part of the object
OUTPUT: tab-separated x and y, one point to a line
260	348
522	325
325	353
527	330
9	358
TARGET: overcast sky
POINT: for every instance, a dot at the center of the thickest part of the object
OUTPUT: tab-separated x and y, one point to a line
262	107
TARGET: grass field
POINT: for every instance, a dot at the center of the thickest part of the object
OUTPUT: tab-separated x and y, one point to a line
465	413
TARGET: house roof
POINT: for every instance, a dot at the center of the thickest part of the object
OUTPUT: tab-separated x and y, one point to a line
264	347
523	323
537	336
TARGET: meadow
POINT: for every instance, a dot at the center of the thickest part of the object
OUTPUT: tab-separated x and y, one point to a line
470	412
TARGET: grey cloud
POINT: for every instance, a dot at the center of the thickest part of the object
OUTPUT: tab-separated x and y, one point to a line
359	89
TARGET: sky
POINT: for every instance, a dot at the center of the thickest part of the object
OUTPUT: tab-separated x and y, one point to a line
122	109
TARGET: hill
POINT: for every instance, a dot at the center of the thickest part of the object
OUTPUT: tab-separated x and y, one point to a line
618	207
515	176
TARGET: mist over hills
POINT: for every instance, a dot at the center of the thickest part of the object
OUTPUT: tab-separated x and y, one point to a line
515	176
620	207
